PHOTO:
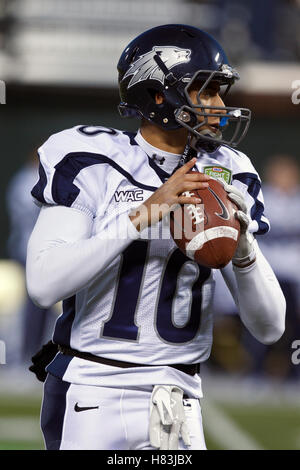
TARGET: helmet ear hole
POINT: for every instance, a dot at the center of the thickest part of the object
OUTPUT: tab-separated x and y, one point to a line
154	93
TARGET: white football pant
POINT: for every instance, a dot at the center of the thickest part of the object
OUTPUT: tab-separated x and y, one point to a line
88	417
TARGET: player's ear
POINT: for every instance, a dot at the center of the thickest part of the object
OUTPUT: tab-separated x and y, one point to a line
159	98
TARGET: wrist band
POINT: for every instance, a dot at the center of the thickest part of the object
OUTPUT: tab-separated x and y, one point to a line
245	261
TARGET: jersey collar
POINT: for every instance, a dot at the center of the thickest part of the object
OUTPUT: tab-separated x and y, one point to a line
165	161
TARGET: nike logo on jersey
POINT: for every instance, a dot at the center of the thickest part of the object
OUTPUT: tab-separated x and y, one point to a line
129	196
84	408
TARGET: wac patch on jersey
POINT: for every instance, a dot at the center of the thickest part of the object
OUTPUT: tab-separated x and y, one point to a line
219	172
129	195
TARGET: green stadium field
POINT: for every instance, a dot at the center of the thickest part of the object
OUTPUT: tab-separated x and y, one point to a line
271	427
228	425
19	422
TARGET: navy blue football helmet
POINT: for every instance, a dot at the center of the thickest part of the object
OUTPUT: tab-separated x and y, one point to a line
169	60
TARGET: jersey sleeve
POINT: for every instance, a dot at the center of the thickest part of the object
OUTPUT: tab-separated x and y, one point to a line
66	176
247	180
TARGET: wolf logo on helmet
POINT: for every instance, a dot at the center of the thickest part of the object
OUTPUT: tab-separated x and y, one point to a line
146	67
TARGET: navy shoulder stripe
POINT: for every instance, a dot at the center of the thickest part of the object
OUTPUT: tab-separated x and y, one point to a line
253	183
65	192
132	136
246	177
38	190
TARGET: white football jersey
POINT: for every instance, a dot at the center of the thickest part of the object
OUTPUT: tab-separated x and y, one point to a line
152	305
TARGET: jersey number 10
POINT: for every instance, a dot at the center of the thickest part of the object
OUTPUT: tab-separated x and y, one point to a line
121	324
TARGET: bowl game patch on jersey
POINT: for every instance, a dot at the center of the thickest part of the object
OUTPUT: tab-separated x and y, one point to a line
218	172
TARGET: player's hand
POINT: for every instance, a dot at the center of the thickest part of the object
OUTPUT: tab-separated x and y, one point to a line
167	418
237	197
165	198
245	252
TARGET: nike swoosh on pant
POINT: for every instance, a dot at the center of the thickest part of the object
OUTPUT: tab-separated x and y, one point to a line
84	408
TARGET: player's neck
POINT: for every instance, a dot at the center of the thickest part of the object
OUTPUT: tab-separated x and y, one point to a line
168	141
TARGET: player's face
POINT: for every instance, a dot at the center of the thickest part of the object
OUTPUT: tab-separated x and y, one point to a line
209	97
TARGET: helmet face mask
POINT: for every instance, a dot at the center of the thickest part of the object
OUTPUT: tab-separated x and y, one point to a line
170	60
194	117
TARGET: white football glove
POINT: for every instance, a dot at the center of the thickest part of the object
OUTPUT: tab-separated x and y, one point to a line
167	418
245	252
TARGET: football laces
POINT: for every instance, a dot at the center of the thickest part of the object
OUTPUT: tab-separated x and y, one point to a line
194	211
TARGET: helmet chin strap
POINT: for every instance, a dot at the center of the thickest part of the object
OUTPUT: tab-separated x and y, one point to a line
188	153
210	133
195	144
208	146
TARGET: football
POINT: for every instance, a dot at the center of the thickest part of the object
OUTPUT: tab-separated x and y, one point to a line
207	232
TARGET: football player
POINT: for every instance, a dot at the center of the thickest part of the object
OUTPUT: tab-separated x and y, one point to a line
137	313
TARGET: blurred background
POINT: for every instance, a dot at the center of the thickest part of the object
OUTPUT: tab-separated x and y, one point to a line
58	59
